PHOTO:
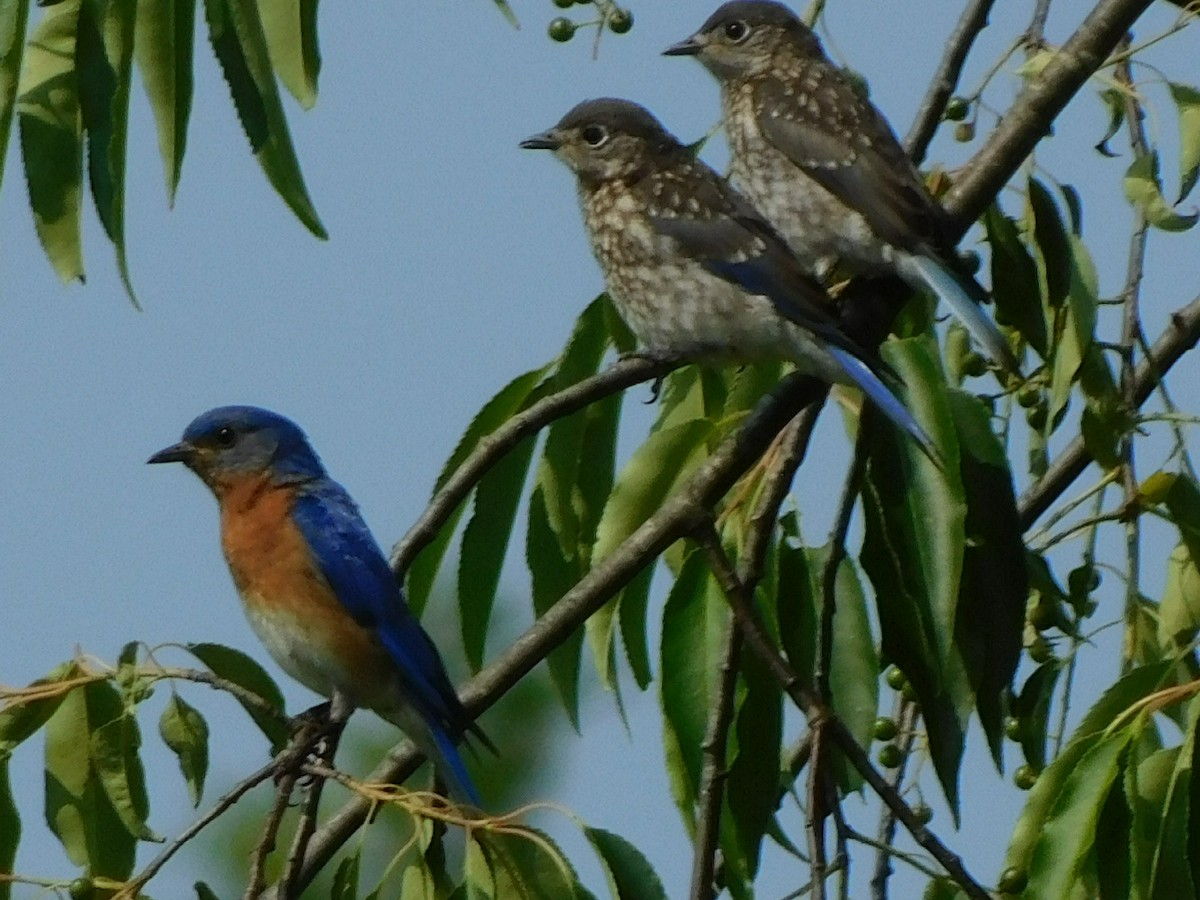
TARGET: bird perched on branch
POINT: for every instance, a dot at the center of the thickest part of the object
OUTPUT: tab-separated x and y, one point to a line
315	585
693	269
822	165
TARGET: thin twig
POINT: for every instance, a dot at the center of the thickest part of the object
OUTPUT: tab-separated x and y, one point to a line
1035	34
624	373
820	716
712	775
307	822
1180	336
972	21
266	843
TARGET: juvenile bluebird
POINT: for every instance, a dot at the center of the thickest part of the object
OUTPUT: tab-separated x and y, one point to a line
693	269
315	585
823	166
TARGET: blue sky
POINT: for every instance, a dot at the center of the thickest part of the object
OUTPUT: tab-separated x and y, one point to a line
456	261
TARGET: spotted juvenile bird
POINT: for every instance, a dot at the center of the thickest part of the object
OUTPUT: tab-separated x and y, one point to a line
315	585
693	269
822	165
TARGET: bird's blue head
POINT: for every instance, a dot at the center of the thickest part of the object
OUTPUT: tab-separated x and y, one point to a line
233	442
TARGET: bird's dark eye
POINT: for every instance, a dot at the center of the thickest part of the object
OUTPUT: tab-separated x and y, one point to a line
595	135
226	437
737	31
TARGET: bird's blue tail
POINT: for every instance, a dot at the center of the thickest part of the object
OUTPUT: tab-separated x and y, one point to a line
889	404
449	764
948	289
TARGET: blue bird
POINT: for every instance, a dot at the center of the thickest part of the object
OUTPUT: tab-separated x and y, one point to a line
692	267
315	585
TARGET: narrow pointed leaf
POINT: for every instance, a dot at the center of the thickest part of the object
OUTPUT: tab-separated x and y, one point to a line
290	27
163	46
1078	329
1015	281
345	879
52	138
13	16
236	32
1114	101
10	827
235	666
665	459
633	608
104	60
1050	240
1144	190
552	576
994	586
19	721
1187	101
185	732
484	543
512	398
630	875
527	865
116	759
1069	832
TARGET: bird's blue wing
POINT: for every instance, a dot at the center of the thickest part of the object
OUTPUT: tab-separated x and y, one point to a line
363	582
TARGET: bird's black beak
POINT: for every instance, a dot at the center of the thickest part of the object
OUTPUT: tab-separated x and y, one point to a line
547	140
180	452
686	47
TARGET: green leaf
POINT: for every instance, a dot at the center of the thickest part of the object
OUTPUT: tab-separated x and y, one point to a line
104	62
1181	496
118	766
913	547
13	16
630	876
753	763
185	732
78	810
235	666
512	398
1069	832
633	607
526	865
1143	189
666	458
1114	101
10	828
417	882
1179	610
1051	243
1077	330
994	586
1187	101
484	543
19	721
1131	688
163	46
345	879
52	137
1113	839
204	892
290	27
1015	281
236	32
695	621
1032	708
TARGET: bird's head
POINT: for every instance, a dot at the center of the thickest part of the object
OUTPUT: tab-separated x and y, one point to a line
230	443
606	139
741	38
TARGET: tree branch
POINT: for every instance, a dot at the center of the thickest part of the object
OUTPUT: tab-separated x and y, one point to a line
973	20
623	373
1029	117
1177	338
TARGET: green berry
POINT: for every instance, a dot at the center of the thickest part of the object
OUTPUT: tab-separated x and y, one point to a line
1028	395
81	889
974	365
923	813
620	21
1037	415
564	4
1083	580
1043	615
908	692
885	729
971	260
1040	650
957	109
1013	728
561	30
1013	881
1025	778
895	678
964	132
890	756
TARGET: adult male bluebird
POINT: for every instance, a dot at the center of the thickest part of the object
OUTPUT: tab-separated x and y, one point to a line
315	585
822	165
693	269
